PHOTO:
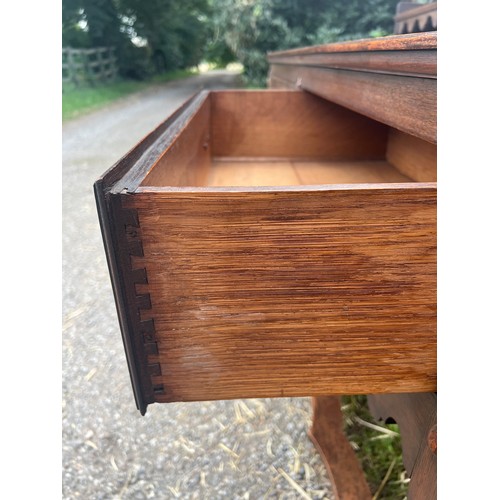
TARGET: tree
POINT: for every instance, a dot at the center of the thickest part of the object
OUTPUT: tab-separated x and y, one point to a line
157	35
73	34
253	27
174	31
162	35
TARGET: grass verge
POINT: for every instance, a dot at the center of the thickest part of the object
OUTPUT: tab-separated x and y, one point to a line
378	450
79	100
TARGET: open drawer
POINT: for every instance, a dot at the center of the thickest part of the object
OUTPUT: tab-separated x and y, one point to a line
272	243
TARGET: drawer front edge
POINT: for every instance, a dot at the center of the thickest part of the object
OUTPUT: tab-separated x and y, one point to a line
122	243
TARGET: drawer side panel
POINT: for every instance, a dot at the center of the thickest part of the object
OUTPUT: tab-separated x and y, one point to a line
269	294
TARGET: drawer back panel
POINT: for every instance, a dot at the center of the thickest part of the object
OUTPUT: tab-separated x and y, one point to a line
291	124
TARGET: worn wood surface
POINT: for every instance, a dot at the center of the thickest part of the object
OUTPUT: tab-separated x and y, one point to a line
418	63
403	102
312	291
410	55
408	43
412	156
291	124
346	475
416	416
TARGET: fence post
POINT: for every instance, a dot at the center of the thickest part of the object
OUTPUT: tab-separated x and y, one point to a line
101	64
81	68
71	68
113	67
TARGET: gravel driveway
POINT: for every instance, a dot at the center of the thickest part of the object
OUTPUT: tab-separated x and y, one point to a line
244	449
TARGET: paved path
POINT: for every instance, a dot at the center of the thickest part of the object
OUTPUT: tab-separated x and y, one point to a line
241	449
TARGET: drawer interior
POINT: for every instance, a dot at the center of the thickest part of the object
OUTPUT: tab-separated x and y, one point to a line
285	138
271	243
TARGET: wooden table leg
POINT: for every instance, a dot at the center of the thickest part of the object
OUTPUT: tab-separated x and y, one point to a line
346	475
416	416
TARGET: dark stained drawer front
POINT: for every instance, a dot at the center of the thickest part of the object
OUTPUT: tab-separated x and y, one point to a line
272	243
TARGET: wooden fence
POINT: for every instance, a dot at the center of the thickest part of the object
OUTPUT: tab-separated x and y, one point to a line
81	66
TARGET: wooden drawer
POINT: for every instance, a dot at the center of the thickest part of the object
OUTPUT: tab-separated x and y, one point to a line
272	243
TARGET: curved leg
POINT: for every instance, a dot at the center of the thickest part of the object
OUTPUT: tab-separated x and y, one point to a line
346	475
416	416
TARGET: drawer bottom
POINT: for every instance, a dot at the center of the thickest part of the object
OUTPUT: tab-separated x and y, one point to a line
289	172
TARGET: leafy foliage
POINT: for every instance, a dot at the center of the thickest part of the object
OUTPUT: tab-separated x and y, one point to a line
175	31
149	37
254	27
164	35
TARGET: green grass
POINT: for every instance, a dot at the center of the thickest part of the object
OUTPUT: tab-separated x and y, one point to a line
79	100
378	452
174	75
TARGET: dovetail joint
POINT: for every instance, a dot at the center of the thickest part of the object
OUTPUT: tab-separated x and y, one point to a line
146	330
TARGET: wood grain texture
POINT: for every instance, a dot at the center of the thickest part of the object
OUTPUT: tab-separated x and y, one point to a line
291	124
423	483
346	475
186	161
391	80
412	156
252	173
418	63
402	102
291	292
347	172
418	41
279	290
243	172
130	170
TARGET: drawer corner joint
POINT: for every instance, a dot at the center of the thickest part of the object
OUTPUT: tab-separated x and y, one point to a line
139	335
